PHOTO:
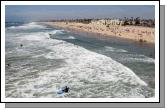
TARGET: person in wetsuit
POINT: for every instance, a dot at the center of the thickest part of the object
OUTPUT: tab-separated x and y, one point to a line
66	89
21	45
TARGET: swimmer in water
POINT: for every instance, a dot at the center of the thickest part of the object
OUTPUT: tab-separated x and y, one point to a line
66	89
21	45
8	64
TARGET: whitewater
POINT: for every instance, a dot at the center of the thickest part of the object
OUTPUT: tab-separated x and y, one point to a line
50	60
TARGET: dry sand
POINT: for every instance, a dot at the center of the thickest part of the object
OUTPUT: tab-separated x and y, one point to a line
137	33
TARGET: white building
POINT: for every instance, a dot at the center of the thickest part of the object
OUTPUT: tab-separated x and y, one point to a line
108	22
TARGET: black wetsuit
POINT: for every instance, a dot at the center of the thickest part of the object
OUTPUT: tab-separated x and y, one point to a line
66	89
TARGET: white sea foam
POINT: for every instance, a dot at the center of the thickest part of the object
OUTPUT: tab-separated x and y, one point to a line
83	65
11	27
80	58
88	74
112	49
127	57
31	25
35	36
71	37
56	32
65	37
136	58
144	59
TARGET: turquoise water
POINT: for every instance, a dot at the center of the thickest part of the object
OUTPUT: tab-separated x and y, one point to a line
91	65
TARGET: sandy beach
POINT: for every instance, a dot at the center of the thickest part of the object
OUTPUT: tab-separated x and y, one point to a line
137	33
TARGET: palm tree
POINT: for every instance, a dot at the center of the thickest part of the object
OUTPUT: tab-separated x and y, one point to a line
137	21
125	21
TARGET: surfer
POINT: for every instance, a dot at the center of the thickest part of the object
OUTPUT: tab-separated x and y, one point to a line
8	64
21	45
66	89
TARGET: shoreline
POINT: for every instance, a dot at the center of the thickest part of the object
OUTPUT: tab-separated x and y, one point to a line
134	33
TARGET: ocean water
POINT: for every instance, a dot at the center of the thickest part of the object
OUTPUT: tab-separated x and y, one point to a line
39	60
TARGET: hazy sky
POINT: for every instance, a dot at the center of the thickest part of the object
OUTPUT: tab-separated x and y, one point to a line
48	12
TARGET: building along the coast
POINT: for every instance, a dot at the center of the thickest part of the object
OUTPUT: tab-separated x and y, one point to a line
115	22
107	22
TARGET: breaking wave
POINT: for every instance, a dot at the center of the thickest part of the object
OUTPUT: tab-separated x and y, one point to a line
32	25
112	49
